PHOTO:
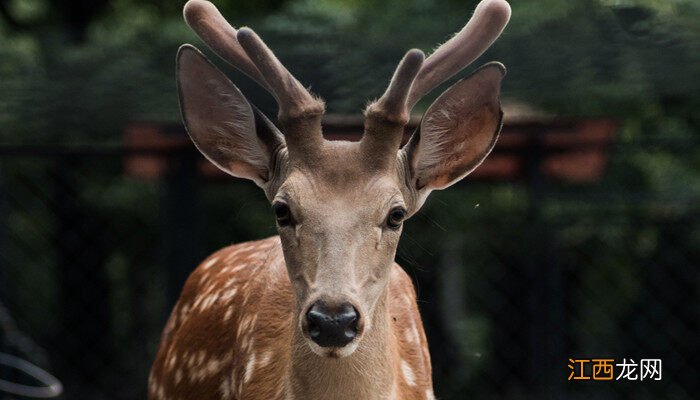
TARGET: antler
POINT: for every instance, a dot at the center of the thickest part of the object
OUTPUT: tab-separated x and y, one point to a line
487	23
414	78
299	112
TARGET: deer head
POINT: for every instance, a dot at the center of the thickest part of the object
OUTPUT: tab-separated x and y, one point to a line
340	205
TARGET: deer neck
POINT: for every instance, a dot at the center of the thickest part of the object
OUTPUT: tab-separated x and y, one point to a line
366	374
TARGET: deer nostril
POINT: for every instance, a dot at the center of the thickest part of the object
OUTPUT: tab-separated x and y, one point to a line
332	328
348	320
314	319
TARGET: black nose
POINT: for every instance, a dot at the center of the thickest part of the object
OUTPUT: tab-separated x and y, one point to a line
332	326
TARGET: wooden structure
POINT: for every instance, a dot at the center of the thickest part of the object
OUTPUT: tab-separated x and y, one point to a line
569	150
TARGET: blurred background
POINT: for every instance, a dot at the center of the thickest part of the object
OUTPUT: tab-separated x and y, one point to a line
579	238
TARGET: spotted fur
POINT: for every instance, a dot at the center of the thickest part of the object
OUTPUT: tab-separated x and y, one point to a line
230	334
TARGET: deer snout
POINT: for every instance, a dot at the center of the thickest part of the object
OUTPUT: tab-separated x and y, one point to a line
332	326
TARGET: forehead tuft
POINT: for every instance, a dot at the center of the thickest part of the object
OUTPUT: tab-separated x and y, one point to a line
342	172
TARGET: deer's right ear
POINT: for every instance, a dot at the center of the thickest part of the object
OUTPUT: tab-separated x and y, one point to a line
457	132
225	128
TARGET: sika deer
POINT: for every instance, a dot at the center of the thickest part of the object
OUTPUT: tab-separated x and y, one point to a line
320	311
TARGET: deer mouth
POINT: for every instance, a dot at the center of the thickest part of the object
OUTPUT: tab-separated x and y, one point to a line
333	352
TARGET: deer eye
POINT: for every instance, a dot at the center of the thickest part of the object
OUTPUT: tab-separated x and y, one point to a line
282	213
396	217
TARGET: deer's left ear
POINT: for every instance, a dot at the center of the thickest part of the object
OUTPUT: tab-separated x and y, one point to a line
457	132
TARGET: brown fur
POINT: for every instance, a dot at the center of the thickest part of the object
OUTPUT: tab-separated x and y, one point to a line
213	333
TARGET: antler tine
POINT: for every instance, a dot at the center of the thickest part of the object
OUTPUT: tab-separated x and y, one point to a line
295	102
206	20
487	23
393	101
386	117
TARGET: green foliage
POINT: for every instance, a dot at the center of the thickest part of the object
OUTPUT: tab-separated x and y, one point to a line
582	57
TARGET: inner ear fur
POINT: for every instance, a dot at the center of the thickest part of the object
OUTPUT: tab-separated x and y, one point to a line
457	131
223	125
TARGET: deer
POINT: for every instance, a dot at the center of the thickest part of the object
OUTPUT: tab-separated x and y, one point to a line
321	310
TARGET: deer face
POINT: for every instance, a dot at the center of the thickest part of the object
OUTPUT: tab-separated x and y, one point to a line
339	225
340	206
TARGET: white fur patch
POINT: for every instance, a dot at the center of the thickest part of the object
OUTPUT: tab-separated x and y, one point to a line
209	263
249	369
265	359
153	385
408	375
228	295
412	335
225	389
209	301
228	314
232	254
172	360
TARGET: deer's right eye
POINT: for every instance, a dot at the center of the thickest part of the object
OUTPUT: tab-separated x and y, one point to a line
282	213
396	217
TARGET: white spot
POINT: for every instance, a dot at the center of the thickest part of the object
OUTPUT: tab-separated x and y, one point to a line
232	254
228	295
228	314
210	289
239	267
246	247
249	368
153	385
171	361
178	376
209	263
209	301
243	325
408	373
185	309
252	322
244	341
225	389
198	301
265	359
213	366
429	395
238	330
248	322
200	358
412	335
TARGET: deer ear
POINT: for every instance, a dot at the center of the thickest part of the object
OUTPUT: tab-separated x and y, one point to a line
457	131
234	136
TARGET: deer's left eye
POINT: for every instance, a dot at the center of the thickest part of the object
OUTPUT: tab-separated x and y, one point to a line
396	217
282	214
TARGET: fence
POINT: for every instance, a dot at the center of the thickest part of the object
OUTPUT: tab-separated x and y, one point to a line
514	278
